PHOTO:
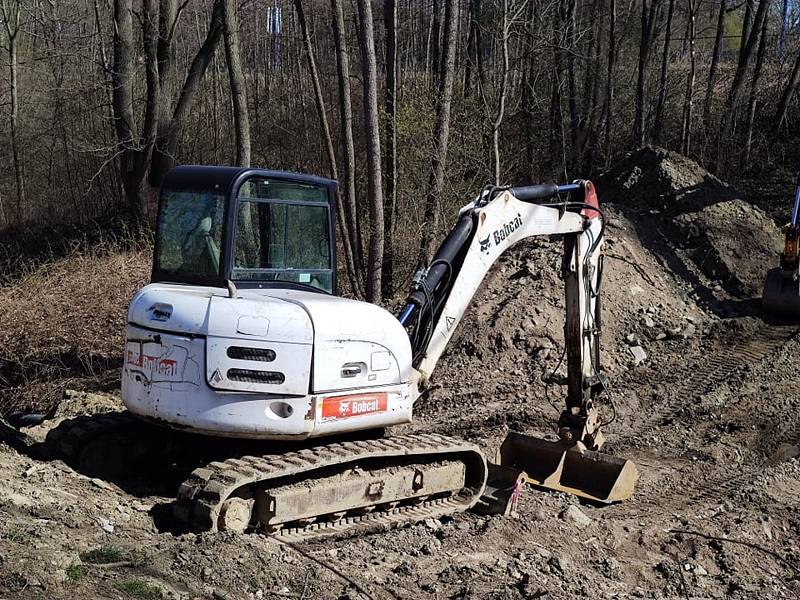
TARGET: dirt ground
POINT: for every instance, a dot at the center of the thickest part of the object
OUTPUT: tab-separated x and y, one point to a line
706	402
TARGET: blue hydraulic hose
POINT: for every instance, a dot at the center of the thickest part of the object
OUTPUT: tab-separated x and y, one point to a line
406	314
796	211
569	187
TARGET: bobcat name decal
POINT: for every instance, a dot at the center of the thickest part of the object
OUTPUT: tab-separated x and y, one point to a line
498	235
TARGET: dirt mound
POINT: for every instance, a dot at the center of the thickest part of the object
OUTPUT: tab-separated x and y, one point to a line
734	243
505	362
655	178
695	223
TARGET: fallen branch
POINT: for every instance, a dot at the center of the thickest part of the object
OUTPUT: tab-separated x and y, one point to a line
361	589
752	545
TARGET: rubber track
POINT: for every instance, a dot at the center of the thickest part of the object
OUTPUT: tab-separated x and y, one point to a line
68	438
201	496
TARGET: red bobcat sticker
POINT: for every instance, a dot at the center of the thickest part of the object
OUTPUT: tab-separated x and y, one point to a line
342	407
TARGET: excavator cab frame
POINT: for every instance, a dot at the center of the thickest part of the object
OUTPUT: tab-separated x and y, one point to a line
226	224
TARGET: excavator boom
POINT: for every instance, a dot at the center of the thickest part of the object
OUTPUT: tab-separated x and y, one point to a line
441	294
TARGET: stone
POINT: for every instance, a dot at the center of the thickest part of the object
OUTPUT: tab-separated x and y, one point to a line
688	331
574	514
639	355
433	524
106	525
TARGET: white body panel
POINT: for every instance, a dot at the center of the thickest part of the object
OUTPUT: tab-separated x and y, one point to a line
195	357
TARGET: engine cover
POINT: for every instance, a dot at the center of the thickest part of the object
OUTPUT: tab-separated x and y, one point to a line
267	363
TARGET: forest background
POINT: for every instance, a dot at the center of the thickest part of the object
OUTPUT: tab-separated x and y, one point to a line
413	105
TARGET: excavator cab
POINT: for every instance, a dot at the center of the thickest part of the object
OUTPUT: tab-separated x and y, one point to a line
250	227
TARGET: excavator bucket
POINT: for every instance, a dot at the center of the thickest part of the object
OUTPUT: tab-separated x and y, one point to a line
552	465
781	293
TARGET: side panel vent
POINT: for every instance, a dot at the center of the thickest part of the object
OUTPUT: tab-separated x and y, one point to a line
251	376
258	354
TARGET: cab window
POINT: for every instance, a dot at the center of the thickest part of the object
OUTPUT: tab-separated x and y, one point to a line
282	234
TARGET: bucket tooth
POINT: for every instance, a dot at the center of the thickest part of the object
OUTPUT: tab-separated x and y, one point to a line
553	465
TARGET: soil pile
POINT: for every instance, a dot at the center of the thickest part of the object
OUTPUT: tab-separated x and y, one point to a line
694	222
654	178
733	242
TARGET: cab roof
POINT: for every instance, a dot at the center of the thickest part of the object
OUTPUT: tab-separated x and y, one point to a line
223	179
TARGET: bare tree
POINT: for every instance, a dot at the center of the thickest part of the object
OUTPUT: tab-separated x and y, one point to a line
241	118
442	134
135	147
662	83
786	96
169	129
734	95
688	102
10	12
497	113
712	73
649	13
373	143
609	100
329	147
390	156
751	105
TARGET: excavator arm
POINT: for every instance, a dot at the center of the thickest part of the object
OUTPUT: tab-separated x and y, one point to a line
440	295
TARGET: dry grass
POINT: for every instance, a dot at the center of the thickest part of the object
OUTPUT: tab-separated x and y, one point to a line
63	325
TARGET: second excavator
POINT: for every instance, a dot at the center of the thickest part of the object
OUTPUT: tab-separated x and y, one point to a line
240	335
782	285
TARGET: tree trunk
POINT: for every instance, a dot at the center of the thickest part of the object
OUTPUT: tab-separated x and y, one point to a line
436	36
528	94
373	143
688	104
574	118
502	94
662	85
390	172
169	131
609	101
11	17
645	44
751	106
122	101
346	124
784	33
734	95
712	72
329	148
441	137
241	117
786	97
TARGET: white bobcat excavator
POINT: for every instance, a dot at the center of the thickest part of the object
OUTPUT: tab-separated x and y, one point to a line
240	335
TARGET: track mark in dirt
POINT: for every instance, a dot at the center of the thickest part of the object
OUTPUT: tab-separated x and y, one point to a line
697	379
701	380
